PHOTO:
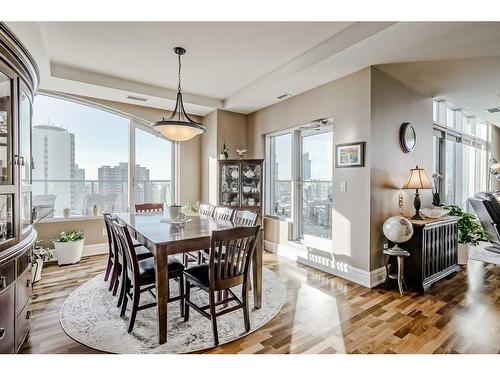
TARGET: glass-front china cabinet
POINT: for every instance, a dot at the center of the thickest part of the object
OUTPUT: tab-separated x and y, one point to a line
19	79
241	184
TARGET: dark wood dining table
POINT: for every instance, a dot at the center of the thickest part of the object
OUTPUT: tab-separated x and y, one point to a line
166	239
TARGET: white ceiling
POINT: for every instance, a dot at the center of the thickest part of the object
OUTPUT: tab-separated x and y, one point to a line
244	66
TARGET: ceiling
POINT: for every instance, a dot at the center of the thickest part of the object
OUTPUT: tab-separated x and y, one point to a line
245	66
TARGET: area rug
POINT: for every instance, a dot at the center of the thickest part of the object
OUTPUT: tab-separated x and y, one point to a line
90	316
483	255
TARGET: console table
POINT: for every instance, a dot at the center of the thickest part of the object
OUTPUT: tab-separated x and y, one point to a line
433	252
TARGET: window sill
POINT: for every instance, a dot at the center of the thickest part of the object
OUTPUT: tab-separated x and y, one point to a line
70	219
279	218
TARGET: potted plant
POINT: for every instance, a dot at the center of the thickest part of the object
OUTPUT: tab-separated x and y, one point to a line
69	247
39	254
469	232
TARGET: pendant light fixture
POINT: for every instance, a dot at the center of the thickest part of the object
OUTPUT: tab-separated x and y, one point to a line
179	127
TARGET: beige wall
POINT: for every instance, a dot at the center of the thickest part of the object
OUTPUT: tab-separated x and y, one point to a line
222	126
393	103
495	153
208	157
93	230
347	100
231	129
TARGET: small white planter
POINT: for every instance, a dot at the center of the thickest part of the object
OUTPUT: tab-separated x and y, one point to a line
68	252
36	271
463	253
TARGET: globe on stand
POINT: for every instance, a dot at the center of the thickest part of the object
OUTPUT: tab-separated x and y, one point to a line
397	229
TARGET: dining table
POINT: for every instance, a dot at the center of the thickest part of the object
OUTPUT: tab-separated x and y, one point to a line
165	238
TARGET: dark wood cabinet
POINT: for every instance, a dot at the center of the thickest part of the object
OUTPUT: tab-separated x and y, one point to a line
241	184
18	82
433	252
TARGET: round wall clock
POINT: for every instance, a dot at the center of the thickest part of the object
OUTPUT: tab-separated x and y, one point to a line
407	137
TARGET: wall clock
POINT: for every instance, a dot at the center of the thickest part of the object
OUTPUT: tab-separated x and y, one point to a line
407	137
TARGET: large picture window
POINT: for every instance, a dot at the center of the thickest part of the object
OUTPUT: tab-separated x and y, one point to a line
280	186
459	153
81	158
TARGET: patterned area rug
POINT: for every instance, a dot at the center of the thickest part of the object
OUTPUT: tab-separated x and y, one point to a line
90	316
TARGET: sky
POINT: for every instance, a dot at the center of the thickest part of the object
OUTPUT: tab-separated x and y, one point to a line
101	138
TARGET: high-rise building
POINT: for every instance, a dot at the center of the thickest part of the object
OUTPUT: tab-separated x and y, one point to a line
55	168
113	181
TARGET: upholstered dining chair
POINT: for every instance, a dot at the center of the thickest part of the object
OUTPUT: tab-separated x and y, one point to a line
114	265
139	277
149	207
228	267
223	213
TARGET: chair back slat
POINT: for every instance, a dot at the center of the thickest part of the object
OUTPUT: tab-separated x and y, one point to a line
206	210
230	254
124	241
245	218
223	213
149	207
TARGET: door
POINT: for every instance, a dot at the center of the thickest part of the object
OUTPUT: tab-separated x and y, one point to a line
316	184
25	159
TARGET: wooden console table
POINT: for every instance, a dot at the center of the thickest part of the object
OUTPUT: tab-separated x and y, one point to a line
433	252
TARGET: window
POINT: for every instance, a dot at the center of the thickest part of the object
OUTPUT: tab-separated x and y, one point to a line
462	158
280	186
481	129
81	159
153	168
450	168
435	111
450	118
299	180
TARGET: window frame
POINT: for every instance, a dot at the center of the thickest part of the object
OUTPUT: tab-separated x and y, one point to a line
134	123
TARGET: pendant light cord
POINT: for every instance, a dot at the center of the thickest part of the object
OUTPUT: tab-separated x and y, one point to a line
179	87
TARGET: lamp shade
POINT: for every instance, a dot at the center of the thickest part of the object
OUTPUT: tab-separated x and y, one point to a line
417	179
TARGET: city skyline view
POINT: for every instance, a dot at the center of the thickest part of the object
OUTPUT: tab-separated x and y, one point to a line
81	159
100	137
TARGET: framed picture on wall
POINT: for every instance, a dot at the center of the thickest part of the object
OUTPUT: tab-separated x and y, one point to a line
348	155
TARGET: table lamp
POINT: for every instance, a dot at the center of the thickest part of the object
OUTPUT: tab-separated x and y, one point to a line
417	180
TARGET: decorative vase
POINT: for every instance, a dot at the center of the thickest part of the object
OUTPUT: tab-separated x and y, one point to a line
95	210
68	252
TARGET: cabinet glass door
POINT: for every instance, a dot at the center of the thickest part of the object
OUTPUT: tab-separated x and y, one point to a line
5	130
25	160
230	185
251	184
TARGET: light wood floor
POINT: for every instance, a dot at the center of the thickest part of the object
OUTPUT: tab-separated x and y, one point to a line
323	314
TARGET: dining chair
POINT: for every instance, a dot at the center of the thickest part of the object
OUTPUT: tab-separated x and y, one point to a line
223	213
114	265
228	267
139	277
149	207
240	218
245	218
206	210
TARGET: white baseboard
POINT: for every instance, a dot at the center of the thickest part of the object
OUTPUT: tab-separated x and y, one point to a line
88	250
340	269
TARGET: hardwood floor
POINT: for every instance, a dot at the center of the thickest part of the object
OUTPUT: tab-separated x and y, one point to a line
323	314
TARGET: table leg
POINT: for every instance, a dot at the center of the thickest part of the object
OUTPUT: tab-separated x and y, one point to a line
401	265
257	275
386	262
161	272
